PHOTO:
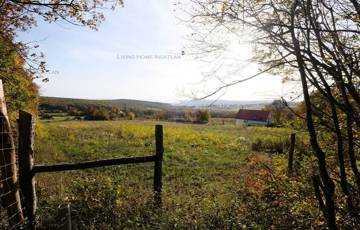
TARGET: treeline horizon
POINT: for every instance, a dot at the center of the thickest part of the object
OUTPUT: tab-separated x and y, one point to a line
82	109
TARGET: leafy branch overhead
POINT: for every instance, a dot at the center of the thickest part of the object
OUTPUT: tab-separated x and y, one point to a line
16	16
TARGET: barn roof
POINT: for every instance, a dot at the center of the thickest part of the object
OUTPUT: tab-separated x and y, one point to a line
254	115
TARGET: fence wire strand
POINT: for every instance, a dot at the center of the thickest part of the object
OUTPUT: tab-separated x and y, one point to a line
9	187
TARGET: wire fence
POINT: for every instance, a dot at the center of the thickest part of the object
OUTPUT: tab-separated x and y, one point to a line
16	195
99	198
11	211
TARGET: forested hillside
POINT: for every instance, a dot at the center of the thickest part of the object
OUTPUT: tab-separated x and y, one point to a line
56	104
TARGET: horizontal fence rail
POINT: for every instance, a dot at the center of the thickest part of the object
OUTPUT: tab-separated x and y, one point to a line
28	170
92	164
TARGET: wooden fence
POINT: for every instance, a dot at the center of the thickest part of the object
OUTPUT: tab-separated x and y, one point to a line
18	196
28	170
18	201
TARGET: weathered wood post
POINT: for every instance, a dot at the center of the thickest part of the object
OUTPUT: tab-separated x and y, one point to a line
158	165
10	196
26	163
68	216
291	154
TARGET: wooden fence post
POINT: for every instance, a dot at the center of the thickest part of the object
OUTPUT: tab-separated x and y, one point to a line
68	216
10	197
158	165
291	154
26	163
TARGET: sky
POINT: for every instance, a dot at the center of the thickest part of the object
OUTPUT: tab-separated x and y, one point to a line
139	52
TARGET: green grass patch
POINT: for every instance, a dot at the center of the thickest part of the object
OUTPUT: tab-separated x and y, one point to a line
204	174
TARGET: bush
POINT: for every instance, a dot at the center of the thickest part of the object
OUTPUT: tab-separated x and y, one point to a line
130	115
188	116
272	200
96	114
203	116
46	116
271	145
161	116
74	112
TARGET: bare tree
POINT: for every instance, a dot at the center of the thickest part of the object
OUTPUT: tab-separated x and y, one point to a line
317	43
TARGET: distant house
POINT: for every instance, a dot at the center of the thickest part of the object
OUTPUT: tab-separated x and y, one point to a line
253	117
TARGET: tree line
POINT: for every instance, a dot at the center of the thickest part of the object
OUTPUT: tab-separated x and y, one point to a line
98	112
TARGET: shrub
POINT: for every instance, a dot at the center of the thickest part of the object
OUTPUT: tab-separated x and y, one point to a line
270	144
203	116
271	200
161	116
97	114
189	116
130	115
46	116
257	145
74	112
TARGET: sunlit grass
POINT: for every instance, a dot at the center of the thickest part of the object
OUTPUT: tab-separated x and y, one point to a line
203	173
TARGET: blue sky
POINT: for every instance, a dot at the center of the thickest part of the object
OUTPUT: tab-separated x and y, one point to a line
114	61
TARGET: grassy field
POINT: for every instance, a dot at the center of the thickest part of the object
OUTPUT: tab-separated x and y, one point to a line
211	175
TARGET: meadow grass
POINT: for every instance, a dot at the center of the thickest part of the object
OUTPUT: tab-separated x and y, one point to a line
204	173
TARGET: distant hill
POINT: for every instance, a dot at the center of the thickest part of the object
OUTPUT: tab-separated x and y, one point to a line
220	108
230	105
65	104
